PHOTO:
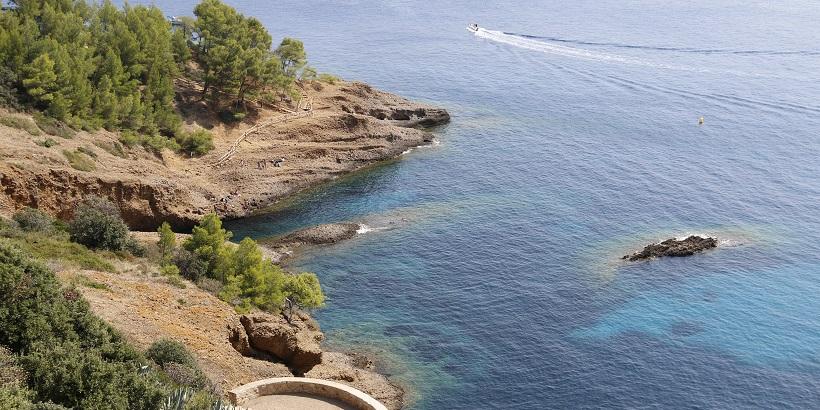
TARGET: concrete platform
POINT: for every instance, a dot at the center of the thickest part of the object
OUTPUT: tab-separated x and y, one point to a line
295	401
285	393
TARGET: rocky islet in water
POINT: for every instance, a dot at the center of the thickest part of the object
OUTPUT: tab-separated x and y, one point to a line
674	247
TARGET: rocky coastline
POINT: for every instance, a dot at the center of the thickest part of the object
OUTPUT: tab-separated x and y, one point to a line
351	126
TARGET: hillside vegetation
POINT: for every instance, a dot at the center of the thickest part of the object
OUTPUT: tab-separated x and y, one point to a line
92	65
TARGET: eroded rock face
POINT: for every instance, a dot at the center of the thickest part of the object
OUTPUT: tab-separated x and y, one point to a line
295	343
674	247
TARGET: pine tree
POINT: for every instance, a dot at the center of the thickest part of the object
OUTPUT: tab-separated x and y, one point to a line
40	79
292	53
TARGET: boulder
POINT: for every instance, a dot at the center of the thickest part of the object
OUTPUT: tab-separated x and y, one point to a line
296	343
674	247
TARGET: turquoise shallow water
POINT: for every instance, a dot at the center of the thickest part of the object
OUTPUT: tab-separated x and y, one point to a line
492	279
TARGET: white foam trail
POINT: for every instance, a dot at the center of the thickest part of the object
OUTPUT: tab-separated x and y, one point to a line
548	48
435	143
363	229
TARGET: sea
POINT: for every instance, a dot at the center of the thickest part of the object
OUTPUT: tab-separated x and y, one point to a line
487	274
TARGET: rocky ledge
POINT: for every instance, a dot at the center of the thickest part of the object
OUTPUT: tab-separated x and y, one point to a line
282	249
674	247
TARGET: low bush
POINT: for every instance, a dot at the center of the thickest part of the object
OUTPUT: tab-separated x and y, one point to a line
130	139
165	351
79	161
87	151
112	147
135	248
176	281
329	78
154	143
21	123
55	127
190	266
72	358
177	362
169	270
33	220
195	143
157	143
47	143
97	224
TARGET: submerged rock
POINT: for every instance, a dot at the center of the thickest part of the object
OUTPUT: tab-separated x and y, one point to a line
321	234
674	247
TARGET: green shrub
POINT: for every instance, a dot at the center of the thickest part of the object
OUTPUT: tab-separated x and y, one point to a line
130	139
169	351
167	242
97	224
134	247
48	143
18	398
175	280
72	358
9	97
33	220
87	151
196	143
79	161
169	270
249	279
112	147
329	78
157	143
190	266
53	126
177	362
207	242
21	123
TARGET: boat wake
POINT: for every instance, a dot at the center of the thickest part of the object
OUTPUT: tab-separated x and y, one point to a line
544	47
671	49
530	43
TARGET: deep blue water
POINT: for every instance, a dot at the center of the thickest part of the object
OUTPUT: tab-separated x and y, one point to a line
498	283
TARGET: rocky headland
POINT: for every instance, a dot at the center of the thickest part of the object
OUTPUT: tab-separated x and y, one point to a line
350	126
674	247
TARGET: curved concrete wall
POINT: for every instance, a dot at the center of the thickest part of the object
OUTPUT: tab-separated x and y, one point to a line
320	388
